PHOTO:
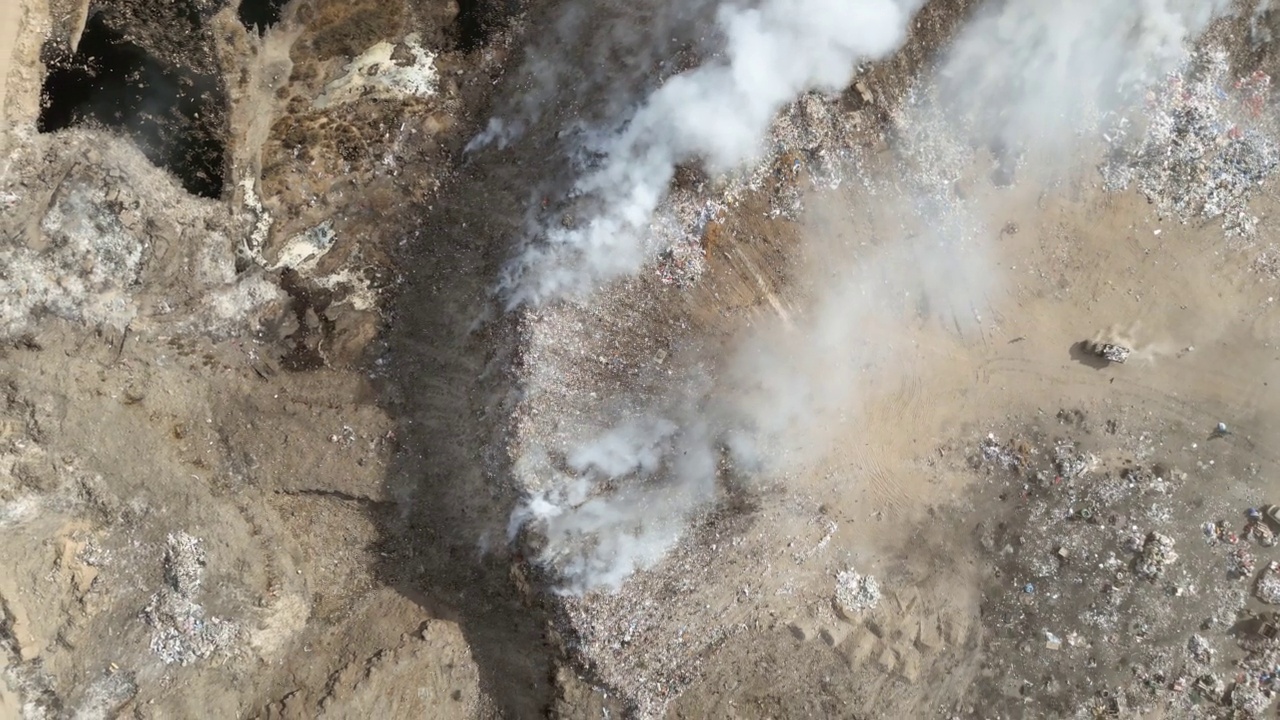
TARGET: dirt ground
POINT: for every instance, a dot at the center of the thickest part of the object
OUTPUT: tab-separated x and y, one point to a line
256	446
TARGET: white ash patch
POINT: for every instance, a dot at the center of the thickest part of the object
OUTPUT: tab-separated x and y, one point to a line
375	75
86	271
181	633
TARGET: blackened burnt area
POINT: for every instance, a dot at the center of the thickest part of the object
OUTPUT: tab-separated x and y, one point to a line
478	20
260	15
174	115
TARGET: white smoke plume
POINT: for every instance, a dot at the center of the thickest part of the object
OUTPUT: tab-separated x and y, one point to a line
716	113
624	496
597	540
1036	75
1024	77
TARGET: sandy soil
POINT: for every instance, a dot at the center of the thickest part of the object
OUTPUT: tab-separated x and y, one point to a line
259	452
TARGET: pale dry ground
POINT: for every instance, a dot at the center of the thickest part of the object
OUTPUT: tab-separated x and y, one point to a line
1081	264
115	435
337	628
9	16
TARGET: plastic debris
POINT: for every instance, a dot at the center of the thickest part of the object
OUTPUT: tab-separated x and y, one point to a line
1240	563
855	593
1268	587
1200	153
1157	554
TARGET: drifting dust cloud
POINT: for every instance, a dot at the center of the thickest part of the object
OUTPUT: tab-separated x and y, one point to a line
1025	79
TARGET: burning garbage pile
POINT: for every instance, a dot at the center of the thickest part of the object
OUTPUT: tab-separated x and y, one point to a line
1201	149
812	144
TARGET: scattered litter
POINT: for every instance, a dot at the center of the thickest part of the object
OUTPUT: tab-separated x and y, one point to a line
1265	536
856	593
1070	463
681	264
1001	454
1268	588
1250	700
1199	648
1052	642
181	632
1201	153
1240	563
1157	554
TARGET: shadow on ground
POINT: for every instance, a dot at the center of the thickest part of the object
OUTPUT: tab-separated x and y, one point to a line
446	379
448	386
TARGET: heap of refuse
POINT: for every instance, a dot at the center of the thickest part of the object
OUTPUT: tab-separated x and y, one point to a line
181	631
1200	149
1157	554
1268	588
855	593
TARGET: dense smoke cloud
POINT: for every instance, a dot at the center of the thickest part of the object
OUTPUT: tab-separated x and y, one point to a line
716	113
1023	78
1033	75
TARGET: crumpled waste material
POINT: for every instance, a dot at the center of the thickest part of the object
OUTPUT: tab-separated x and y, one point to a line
1268	588
1157	554
1200	649
1069	463
1240	563
181	633
855	593
1202	151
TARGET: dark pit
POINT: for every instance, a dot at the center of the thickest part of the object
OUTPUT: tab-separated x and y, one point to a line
260	15
174	115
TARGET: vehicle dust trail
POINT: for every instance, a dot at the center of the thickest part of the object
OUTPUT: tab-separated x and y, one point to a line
601	521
